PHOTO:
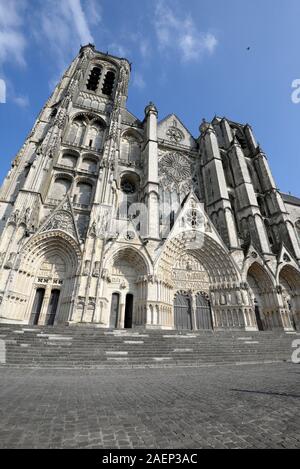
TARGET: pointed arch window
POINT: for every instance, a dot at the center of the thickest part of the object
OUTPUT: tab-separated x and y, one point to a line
76	132
94	79
130	149
60	187
108	84
69	159
89	164
94	136
84	193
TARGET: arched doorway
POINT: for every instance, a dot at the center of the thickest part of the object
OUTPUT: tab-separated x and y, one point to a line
52	273
44	279
128	311
263	298
215	267
52	307
289	280
203	312
257	315
182	311
37	306
126	289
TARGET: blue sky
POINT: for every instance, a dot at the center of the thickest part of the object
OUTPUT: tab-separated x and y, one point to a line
188	56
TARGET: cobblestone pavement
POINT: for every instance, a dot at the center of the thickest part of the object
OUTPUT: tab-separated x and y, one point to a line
213	407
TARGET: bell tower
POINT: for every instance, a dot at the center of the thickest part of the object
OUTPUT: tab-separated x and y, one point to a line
70	154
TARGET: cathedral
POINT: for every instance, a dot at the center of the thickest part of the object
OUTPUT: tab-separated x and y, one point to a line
118	222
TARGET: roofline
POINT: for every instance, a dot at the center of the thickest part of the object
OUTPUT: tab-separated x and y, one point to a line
104	54
291	202
175	115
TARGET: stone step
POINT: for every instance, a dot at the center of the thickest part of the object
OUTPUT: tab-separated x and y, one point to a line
92	347
45	357
183	338
122	365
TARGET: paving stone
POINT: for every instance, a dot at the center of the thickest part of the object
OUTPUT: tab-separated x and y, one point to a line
221	407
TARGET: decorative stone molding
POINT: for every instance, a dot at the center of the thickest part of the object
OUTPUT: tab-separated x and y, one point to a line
96	271
174	171
174	134
87	266
61	221
10	262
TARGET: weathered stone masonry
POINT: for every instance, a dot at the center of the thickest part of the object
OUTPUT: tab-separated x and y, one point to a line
110	220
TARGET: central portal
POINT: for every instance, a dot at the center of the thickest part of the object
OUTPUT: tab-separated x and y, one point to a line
182	312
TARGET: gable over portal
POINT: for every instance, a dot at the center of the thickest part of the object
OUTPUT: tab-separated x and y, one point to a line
172	131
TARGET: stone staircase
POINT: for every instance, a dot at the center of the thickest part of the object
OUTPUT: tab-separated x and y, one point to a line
92	347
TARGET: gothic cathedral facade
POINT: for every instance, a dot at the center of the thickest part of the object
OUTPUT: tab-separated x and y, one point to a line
117	222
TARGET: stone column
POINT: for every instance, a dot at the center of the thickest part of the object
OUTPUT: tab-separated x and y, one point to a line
193	312
45	306
151	196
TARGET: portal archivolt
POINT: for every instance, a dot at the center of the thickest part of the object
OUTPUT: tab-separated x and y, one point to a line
44	280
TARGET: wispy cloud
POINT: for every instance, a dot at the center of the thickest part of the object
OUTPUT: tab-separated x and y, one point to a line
12	37
79	20
118	49
178	32
138	80
63	26
93	11
21	101
14	97
145	49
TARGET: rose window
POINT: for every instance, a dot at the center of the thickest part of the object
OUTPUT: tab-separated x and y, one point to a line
194	218
174	134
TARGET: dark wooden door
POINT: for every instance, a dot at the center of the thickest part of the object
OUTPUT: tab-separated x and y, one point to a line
114	310
258	318
203	313
128	311
182	312
52	308
37	306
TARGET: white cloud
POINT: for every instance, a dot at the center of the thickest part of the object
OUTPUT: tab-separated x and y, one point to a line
12	38
145	49
12	96
93	12
62	26
180	33
138	80
21	101
80	22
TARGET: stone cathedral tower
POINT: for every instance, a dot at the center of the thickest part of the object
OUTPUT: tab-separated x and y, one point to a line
109	220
